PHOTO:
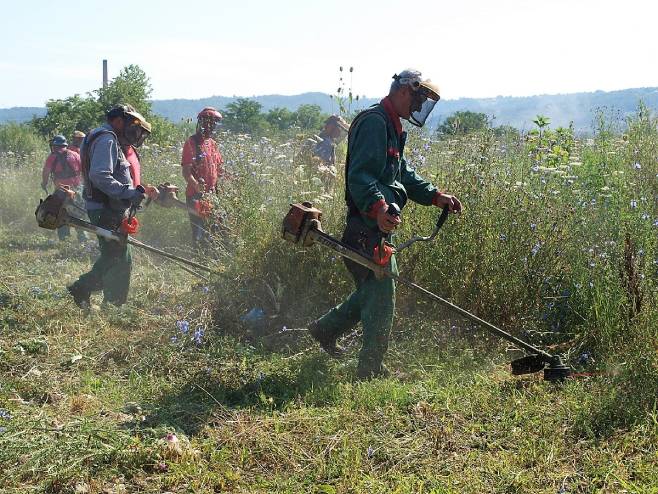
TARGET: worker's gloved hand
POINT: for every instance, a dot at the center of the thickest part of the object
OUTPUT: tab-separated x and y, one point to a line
70	193
441	200
138	196
388	217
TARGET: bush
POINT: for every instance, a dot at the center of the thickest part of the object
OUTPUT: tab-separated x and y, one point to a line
20	141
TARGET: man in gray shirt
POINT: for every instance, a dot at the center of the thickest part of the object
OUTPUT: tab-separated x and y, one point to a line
111	172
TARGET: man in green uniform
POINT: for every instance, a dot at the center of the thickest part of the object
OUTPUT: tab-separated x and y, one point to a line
376	176
111	172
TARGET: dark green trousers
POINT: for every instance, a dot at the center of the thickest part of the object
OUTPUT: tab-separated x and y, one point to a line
111	271
372	303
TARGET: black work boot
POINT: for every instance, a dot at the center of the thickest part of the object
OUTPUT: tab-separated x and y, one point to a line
365	373
80	295
327	343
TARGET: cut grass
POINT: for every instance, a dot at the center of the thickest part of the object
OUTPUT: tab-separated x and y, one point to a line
92	397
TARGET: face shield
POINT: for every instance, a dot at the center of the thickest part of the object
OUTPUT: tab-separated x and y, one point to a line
207	126
423	100
134	132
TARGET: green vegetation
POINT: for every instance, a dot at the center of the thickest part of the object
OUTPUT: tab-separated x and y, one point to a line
246	115
558	243
464	122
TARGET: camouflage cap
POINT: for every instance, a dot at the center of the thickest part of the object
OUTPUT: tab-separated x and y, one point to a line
414	78
79	134
338	121
122	110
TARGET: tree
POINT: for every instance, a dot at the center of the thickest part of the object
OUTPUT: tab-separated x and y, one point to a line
463	122
63	116
244	115
281	118
76	112
309	117
132	86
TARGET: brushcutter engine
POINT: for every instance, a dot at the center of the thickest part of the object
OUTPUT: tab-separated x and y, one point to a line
167	198
167	195
51	212
300	220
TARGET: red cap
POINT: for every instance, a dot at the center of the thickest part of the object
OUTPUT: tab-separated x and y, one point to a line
211	112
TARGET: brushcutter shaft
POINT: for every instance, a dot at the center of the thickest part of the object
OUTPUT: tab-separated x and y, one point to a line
173	257
313	233
348	252
302	226
110	235
464	313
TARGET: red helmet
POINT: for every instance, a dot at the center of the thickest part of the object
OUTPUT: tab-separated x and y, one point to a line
209	112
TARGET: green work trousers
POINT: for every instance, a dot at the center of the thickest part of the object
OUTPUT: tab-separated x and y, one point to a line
372	303
111	271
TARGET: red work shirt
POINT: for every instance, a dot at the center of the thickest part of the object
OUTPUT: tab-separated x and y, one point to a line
73	148
65	168
204	163
135	168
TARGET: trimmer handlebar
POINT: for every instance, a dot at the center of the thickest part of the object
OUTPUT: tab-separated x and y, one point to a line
417	238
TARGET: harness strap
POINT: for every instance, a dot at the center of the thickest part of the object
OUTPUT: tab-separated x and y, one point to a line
67	169
390	131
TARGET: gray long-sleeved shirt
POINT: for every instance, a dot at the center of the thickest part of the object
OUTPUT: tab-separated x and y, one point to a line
109	171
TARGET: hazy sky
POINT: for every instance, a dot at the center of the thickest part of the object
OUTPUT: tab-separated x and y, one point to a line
473	48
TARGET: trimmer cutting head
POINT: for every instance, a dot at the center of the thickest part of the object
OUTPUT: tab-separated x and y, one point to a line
554	369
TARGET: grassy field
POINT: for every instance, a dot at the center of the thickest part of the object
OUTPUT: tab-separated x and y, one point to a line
178	391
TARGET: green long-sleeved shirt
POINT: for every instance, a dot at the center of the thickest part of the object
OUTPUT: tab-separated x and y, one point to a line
377	169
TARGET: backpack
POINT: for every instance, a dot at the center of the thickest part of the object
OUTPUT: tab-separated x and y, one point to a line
90	192
67	170
390	132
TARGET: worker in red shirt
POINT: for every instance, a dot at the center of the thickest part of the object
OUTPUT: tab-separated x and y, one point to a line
76	142
202	166
63	167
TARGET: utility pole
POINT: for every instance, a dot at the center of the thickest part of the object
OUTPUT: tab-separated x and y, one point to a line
104	74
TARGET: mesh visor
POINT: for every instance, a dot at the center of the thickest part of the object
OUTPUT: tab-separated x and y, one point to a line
208	126
421	108
135	134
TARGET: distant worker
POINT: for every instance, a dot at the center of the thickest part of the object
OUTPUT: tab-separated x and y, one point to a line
111	173
316	158
63	167
202	167
378	176
334	131
76	142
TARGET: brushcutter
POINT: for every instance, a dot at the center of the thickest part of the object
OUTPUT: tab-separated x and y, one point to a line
167	198
52	214
302	226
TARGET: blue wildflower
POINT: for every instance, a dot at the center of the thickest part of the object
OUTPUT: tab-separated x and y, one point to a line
198	335
183	326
